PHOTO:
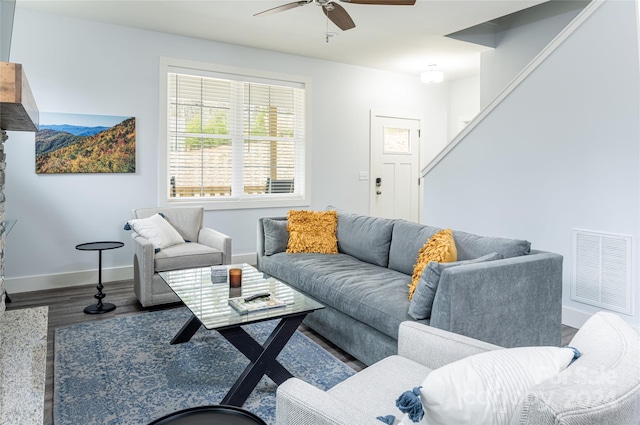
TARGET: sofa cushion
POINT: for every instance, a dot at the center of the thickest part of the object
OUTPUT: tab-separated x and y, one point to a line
422	301
406	240
440	248
486	388
365	238
472	246
276	236
370	294
186	256
312	232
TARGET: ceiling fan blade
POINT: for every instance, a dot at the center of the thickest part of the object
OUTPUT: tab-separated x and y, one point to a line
281	8
383	2
339	16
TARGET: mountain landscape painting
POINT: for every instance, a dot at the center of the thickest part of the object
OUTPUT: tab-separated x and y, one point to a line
77	143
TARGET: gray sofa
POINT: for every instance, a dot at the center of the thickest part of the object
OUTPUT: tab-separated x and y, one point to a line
513	301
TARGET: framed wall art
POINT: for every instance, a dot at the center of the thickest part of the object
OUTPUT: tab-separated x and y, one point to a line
77	143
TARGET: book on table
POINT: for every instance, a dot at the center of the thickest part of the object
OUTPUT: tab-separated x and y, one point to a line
241	305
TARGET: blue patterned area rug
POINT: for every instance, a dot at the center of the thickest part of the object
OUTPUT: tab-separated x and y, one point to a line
123	371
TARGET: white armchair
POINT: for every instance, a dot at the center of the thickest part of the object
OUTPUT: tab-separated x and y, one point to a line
601	387
206	247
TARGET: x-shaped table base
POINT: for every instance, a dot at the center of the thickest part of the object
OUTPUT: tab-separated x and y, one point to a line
262	357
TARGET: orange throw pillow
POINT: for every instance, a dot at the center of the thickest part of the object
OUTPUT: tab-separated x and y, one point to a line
311	231
440	248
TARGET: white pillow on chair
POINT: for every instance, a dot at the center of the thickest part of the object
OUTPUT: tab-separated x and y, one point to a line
486	388
157	230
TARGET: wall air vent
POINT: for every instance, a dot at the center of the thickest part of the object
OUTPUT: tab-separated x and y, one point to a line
601	270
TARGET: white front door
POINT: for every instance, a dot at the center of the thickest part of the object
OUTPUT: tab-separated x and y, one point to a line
395	173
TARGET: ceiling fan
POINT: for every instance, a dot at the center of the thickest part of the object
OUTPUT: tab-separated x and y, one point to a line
336	13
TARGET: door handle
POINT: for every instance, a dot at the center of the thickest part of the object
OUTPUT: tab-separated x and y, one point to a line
378	184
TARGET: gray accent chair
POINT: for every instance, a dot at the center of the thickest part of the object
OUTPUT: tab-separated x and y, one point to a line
601	387
206	247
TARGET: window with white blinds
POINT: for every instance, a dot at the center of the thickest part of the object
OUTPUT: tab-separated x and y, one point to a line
233	137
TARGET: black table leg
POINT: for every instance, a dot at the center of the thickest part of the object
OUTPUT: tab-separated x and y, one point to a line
100	307
187	331
240	339
263	358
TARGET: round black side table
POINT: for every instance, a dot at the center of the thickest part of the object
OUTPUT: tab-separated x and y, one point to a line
210	415
100	307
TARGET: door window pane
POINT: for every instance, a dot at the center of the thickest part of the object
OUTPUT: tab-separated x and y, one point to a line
396	140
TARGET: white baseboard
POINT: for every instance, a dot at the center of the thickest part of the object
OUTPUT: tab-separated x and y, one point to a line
251	258
87	277
574	318
63	280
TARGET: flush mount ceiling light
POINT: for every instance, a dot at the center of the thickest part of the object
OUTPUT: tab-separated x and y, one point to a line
432	76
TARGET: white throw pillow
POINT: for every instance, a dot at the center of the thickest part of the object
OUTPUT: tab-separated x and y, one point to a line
158	230
486	388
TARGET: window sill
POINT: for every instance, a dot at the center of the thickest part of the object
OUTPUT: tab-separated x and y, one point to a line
238	204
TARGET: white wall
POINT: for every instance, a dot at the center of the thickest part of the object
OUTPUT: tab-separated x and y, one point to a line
435	135
464	103
449	103
78	66
562	151
521	37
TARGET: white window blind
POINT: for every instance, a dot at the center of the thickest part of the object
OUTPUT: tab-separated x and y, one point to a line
234	138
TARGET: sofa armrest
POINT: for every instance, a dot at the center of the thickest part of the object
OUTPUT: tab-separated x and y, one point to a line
511	302
300	403
434	347
217	240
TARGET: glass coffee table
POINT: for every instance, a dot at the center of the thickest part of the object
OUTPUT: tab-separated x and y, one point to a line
208	303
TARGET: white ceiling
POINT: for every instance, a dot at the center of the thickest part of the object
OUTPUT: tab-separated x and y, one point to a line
402	39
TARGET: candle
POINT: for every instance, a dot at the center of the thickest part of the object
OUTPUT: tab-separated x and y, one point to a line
235	278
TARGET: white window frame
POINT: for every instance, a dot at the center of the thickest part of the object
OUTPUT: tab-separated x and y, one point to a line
168	65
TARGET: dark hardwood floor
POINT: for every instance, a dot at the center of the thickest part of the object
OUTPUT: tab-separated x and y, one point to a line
66	307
